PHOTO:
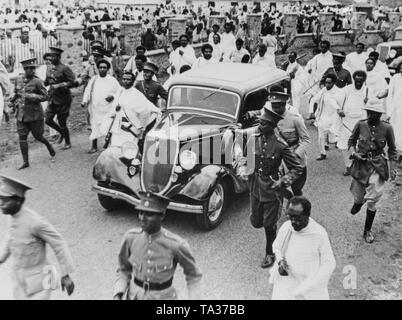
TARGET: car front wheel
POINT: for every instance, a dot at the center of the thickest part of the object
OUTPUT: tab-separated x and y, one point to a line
110	204
214	208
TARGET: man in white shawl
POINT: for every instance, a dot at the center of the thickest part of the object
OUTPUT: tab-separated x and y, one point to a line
5	88
185	54
134	114
320	63
328	101
377	86
356	60
305	261
351	111
394	112
98	97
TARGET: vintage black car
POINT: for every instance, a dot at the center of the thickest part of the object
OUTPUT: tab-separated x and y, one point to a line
188	154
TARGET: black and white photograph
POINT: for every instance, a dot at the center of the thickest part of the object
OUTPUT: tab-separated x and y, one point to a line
225	151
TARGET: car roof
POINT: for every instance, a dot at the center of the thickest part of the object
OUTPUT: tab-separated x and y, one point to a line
239	77
396	43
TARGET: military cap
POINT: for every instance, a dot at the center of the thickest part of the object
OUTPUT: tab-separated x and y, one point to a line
269	115
10	187
151	67
96	44
277	96
374	105
31	62
340	55
56	50
97	50
152	202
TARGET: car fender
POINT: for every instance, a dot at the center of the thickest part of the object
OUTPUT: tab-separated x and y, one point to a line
201	185
110	166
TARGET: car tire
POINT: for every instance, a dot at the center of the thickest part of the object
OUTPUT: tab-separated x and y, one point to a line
210	220
111	204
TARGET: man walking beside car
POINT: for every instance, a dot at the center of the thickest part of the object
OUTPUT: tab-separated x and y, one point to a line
267	151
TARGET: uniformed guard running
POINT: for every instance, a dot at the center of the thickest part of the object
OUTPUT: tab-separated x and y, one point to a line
148	258
370	168
291	128
33	277
60	78
29	93
265	183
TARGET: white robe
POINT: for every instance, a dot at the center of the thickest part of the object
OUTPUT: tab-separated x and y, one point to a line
187	58
99	109
319	64
297	83
217	51
328	102
137	109
201	61
376	85
352	106
268	60
228	42
394	105
310	259
355	61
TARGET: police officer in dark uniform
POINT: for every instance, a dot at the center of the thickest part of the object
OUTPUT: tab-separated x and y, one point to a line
370	168
343	76
261	167
150	88
29	93
149	256
60	78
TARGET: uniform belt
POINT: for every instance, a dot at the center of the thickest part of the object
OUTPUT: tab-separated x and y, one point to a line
373	154
268	177
153	286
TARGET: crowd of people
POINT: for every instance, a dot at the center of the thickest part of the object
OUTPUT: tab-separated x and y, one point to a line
98	22
353	101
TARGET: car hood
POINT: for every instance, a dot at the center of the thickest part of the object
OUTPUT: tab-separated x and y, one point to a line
186	125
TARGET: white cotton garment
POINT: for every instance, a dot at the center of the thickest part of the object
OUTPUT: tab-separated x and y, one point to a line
310	259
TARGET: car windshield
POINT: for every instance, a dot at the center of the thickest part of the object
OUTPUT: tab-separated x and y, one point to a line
214	100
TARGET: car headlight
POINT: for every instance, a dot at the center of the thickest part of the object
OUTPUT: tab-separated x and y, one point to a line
188	159
129	150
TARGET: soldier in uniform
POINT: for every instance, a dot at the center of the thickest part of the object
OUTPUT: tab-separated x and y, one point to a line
33	277
266	151
370	168
150	88
148	257
60	78
291	128
29	93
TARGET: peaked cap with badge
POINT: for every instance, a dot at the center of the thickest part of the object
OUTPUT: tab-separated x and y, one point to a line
152	202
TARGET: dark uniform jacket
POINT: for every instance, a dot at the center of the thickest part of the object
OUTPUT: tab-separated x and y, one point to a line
371	141
29	93
267	154
152	90
343	77
60	74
